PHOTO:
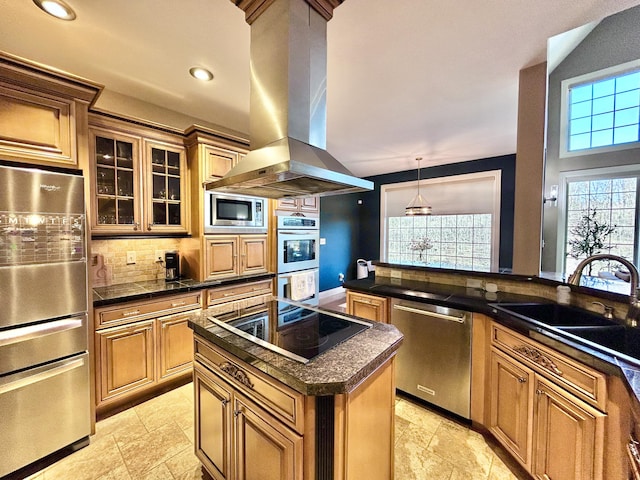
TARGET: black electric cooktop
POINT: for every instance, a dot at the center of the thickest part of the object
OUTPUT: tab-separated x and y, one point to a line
297	331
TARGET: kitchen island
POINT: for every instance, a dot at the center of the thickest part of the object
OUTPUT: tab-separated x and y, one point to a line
260	414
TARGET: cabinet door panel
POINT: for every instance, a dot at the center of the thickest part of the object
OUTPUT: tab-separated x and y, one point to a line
568	441
126	358
278	449
510	409
213	423
175	345
367	306
222	255
254	254
218	162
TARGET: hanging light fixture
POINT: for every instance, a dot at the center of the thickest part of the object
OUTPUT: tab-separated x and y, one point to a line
418	205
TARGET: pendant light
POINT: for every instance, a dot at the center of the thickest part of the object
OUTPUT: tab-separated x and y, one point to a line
418	205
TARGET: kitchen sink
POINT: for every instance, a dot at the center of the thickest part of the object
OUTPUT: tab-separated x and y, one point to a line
581	323
557	315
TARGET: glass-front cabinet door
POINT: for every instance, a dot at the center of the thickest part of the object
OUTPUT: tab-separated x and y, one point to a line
115	183
165	199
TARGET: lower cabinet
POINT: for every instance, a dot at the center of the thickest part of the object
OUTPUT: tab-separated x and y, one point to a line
366	306
554	434
149	345
237	439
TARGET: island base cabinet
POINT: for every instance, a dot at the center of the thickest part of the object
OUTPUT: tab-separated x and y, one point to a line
569	436
236	439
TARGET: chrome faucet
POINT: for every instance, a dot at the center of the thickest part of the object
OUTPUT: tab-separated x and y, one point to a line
633	314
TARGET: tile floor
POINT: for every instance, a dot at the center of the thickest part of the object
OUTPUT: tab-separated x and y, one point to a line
154	441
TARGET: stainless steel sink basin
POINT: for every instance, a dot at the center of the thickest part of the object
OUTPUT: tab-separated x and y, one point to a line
557	315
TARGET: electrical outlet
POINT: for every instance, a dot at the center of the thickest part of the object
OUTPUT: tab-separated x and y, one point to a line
159	256
341	277
131	257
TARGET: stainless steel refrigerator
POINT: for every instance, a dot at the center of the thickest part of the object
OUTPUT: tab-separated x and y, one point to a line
44	364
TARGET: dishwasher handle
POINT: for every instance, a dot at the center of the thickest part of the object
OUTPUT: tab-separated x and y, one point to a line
427	313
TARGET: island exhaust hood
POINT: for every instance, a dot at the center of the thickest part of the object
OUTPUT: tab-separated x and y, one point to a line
288	106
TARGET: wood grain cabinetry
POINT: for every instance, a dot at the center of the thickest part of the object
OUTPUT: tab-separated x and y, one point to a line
239	291
233	255
367	306
140	345
242	416
43	114
139	180
547	410
309	205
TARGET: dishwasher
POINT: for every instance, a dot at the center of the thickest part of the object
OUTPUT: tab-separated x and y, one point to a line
434	361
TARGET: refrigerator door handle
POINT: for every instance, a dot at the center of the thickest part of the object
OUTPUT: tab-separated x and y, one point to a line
24	334
41	375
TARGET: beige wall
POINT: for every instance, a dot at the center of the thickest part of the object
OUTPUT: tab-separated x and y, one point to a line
527	223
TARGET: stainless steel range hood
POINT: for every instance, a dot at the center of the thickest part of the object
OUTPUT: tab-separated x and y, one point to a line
288	106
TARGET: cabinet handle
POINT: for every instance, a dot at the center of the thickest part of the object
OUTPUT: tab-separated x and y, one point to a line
522	379
149	226
236	373
236	413
228	294
178	304
130	313
135	226
540	392
536	356
225	402
362	300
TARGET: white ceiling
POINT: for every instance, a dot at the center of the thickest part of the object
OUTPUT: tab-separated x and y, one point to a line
406	78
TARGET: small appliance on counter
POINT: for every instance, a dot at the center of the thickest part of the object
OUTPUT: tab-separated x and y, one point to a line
172	266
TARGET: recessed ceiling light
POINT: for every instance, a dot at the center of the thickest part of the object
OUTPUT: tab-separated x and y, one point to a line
201	73
56	8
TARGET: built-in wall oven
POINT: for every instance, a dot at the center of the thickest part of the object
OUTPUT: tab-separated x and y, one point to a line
298	260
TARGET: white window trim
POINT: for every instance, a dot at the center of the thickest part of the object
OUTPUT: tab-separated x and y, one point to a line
563	179
495	175
590	77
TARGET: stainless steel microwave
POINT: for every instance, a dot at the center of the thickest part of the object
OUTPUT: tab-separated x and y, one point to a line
228	213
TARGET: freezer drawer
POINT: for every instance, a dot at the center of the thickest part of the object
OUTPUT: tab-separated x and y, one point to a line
43	409
30	345
434	361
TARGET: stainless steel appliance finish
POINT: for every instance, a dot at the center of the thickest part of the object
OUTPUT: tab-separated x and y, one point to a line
44	368
297	250
171	266
434	362
288	111
226	213
284	287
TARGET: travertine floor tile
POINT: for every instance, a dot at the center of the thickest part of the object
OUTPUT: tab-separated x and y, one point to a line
400	427
418	415
172	406
147	452
90	463
119	473
125	427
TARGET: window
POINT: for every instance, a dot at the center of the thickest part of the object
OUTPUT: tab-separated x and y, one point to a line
463	232
601	110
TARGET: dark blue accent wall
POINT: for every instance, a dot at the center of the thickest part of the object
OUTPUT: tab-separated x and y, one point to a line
352	230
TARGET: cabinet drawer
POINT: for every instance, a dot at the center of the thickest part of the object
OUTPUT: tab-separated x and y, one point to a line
234	292
119	314
281	401
582	381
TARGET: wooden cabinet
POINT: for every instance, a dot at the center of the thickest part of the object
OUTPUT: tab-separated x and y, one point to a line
536	416
300	205
140	345
233	255
217	162
239	291
139	183
367	306
237	421
43	114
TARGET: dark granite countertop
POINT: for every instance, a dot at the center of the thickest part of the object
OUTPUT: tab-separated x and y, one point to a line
126	292
476	300
338	370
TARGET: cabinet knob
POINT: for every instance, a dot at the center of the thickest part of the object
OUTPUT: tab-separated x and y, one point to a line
522	379
225	402
135	226
149	226
540	392
236	413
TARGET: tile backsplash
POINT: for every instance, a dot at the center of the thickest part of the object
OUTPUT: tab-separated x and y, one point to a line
108	262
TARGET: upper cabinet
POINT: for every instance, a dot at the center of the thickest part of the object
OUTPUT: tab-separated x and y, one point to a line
304	205
43	114
138	180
